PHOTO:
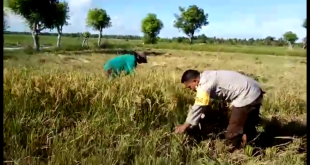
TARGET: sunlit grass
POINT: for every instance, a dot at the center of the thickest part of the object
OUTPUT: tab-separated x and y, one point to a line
62	110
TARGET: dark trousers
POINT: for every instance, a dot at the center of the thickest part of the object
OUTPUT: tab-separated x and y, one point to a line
242	123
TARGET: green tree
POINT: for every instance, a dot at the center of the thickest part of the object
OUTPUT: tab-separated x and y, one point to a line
203	38
98	19
269	40
86	36
151	27
290	38
191	20
39	15
61	18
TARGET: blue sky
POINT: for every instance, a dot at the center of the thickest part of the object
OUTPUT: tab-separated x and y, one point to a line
227	18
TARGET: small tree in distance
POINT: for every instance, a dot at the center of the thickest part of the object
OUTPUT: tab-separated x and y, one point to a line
86	36
191	20
203	38
150	27
290	38
61	17
98	19
269	40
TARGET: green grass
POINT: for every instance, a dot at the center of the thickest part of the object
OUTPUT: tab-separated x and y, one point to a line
25	40
60	109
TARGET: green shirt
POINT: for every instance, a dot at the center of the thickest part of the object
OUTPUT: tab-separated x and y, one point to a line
124	63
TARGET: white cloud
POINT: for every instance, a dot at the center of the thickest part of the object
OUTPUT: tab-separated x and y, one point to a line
15	22
78	14
249	27
121	26
79	4
262	22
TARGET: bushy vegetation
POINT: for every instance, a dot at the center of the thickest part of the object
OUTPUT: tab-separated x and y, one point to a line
199	39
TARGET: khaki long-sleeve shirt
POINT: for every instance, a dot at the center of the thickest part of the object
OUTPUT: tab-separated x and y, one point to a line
231	86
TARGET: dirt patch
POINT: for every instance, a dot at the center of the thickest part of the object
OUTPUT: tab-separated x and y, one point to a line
73	59
84	60
168	54
8	57
255	77
66	58
159	64
303	62
42	60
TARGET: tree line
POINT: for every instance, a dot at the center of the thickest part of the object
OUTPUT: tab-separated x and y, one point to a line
52	14
268	41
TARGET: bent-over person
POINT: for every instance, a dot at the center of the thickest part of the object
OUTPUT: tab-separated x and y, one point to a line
244	94
125	63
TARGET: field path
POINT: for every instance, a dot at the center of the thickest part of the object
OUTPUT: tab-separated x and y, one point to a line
18	48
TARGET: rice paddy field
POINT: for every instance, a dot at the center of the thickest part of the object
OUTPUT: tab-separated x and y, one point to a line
59	108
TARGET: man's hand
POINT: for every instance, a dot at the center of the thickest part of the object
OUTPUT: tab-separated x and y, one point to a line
182	128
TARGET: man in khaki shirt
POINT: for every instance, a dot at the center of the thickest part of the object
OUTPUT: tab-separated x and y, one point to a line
244	94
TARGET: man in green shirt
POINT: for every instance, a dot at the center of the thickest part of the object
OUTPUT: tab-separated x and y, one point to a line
125	63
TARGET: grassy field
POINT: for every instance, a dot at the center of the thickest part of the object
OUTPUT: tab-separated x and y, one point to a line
60	109
25	40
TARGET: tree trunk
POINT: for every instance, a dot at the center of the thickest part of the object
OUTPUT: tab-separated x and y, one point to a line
190	39
290	46
36	42
59	30
84	41
305	43
58	40
99	38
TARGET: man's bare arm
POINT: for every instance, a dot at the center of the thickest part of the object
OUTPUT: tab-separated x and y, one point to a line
194	115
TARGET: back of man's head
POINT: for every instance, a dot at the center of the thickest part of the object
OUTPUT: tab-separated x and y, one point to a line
189	75
141	56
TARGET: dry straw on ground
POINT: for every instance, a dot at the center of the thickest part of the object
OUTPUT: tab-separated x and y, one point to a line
68	113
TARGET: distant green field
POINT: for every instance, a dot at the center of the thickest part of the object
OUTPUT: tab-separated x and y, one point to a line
25	40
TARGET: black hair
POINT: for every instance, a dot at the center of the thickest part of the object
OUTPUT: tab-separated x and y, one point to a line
139	59
189	75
